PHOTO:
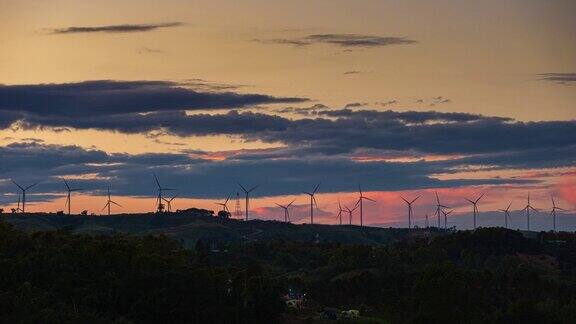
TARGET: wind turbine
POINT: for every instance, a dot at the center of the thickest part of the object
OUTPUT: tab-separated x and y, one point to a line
247	193
18	208
286	213
506	215
475	207
225	204
340	210
350	211
69	197
360	201
409	203
169	202
527	208
312	202
110	202
446	217
24	194
160	190
553	212
439	207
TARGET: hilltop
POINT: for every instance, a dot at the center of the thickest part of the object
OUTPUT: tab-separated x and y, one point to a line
187	227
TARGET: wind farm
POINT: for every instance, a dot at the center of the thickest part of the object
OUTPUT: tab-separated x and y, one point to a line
290	162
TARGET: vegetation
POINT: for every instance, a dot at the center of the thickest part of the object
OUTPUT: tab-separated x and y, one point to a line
57	277
490	275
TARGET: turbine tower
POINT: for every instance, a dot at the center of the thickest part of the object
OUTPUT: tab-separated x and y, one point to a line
506	215
169	202
446	217
362	197
69	197
247	193
439	207
24	194
475	207
553	212
527	208
225	204
286	212
409	203
427	224
340	210
350	211
312	202
110	202
237	211
160	190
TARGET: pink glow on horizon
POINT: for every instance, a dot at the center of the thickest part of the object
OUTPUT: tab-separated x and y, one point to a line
388	208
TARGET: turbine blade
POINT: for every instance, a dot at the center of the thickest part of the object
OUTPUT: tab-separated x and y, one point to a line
316	188
314	200
17	184
227	198
241	186
66	183
115	203
253	188
437	198
369	199
360	190
562	209
157	182
106	205
482	195
413	200
290	204
472	202
508	207
30	186
405	200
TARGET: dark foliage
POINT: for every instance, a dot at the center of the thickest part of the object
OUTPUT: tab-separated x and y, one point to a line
56	277
489	275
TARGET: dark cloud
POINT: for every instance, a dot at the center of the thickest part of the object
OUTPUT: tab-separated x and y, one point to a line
124	28
194	177
342	40
304	111
559	77
356	40
356	104
342	131
105	97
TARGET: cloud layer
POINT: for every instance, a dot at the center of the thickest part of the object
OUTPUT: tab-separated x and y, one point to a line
107	97
341	40
124	28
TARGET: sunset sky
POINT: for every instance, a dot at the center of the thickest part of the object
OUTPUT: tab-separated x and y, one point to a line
404	98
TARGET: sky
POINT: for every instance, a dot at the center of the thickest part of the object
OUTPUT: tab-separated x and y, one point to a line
403	98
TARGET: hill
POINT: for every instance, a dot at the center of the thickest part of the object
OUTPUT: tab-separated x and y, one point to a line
187	227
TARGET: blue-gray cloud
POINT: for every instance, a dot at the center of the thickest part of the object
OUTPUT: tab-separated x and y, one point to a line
107	97
197	177
342	131
559	77
341	40
123	28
